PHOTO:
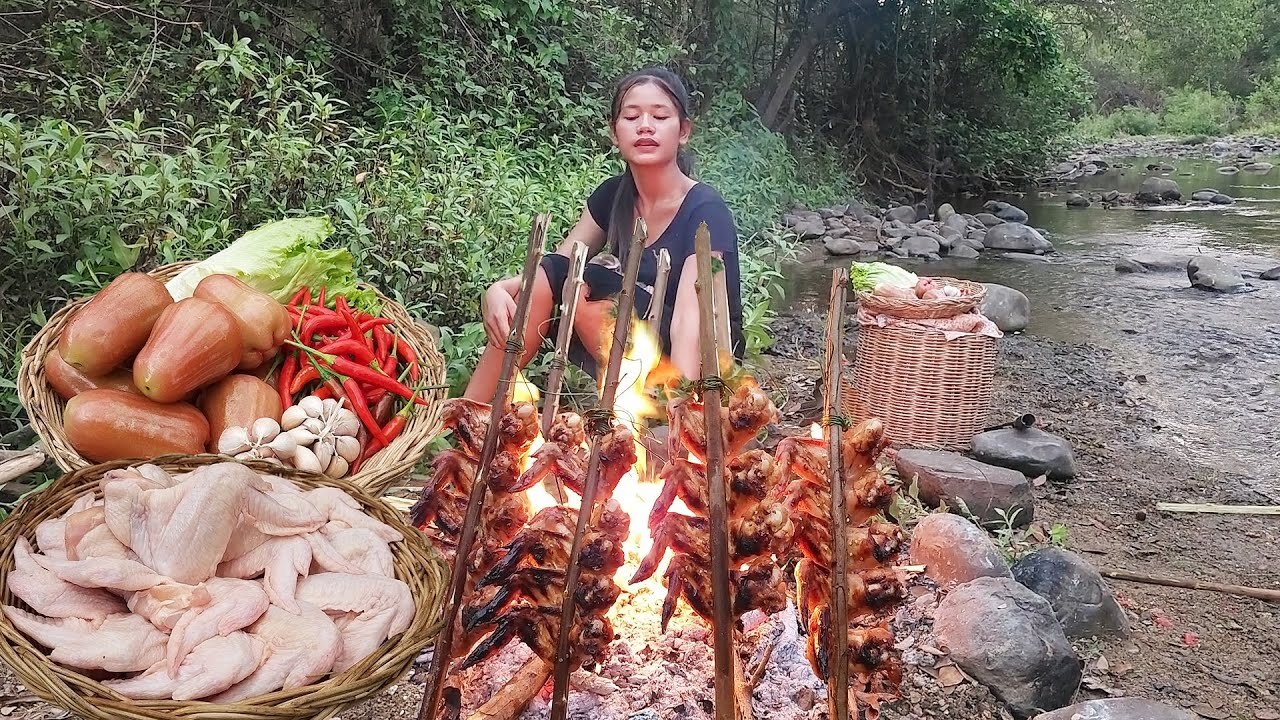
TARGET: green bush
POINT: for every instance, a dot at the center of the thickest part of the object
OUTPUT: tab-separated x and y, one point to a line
1127	121
1195	111
1262	107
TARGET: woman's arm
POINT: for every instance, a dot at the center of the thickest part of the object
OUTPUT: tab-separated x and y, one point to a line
686	322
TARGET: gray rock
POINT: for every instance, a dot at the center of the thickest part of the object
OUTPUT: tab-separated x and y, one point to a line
943	240
903	213
1032	451
869	247
1063	168
951	478
962	251
1009	309
954	551
1006	212
945	211
1158	190
987	219
1272	274
1208	273
1080	599
900	232
1130	708
950	233
957	223
1221	199
1129	265
1007	638
1016	237
969	242
1228	170
920	246
841	246
1078	200
1160	261
805	224
1204	195
1258	167
838	231
1111	195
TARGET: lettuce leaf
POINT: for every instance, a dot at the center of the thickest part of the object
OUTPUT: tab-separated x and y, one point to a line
280	257
866	276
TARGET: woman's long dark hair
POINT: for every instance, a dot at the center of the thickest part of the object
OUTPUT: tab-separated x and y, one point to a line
622	215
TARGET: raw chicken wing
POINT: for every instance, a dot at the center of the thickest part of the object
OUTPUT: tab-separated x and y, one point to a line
121	643
384	607
52	596
341	507
233	605
100	572
212	667
282	559
165	605
362	548
300	650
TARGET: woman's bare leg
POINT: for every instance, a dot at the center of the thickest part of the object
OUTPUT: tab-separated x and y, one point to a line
589	325
484	379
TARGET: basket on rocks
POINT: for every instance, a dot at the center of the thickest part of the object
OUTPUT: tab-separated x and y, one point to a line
971	294
416	563
45	407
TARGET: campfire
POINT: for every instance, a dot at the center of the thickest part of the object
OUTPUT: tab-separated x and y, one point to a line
530	570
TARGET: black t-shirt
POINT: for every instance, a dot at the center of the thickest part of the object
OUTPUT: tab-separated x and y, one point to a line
702	204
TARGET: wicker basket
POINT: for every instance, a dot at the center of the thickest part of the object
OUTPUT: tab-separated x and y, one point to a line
929	391
44	406
971	294
416	563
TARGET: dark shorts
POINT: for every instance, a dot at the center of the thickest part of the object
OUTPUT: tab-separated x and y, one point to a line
602	283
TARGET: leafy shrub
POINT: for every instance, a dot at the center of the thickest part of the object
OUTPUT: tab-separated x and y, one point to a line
1127	121
1262	107
1194	111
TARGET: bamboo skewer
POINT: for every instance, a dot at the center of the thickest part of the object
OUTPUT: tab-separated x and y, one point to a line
1216	508
838	682
722	612
658	306
442	658
1256	593
564	338
621	330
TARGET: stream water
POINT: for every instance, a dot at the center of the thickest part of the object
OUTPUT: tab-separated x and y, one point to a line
1207	365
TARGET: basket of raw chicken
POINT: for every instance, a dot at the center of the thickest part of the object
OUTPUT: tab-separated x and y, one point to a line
271	349
197	586
925	356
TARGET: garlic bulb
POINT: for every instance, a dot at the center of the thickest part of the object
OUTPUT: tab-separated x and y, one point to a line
315	435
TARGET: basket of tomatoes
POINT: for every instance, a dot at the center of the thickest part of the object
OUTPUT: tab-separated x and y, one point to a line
345	384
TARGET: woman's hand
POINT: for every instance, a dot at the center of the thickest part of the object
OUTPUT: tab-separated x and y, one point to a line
498	310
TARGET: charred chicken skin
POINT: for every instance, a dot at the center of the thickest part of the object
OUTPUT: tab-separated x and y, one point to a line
538	627
750	410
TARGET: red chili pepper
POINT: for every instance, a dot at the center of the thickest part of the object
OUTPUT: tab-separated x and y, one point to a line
304	293
337	388
390	431
352	323
382	344
320	300
319	323
285	381
361	408
361	373
367	325
350	347
323	392
406	353
306	376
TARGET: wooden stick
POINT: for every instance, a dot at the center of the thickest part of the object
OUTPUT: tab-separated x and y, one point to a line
621	330
1215	508
724	342
658	306
722	611
512	698
1256	593
568	311
838	680
20	463
443	655
758	674
742	689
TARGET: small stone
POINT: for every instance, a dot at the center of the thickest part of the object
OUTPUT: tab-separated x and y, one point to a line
1111	195
805	699
903	213
1272	274
947	477
1127	708
1078	200
988	220
1258	167
1221	199
1159	261
1009	309
841	246
1208	273
1080	599
1031	451
1006	212
1006	637
1204	195
955	551
963	251
1267	714
1129	265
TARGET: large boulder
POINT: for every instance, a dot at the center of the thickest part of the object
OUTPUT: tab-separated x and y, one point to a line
987	219
961	251
1006	212
1155	261
805	224
1009	309
945	211
1272	274
1007	638
1129	708
841	245
1080	599
903	213
947	477
1208	273
954	551
1016	237
921	246
1158	190
957	222
1031	451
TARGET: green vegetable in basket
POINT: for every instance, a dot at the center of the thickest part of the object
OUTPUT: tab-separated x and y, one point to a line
280	257
866	276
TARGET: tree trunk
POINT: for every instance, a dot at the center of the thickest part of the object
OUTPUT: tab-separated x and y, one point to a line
814	32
